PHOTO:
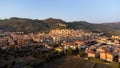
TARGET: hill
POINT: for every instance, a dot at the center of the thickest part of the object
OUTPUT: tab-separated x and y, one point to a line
94	27
114	25
88	26
30	25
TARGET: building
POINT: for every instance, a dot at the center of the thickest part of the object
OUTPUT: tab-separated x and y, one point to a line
21	41
92	54
59	49
108	56
103	55
119	59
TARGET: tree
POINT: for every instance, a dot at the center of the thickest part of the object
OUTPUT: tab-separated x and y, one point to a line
11	47
69	51
41	59
81	53
76	51
11	64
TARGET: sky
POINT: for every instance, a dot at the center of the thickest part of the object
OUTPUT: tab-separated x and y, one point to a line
93	11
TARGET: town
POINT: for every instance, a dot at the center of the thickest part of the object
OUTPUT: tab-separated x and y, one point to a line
95	45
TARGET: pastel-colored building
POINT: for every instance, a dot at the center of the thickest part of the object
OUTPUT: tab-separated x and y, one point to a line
106	56
119	59
103	55
109	56
92	54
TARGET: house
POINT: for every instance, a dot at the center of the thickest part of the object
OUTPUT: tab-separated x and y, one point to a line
116	51
37	39
73	47
59	49
102	49
103	55
108	56
2	42
11	41
109	42
115	37
79	43
67	45
47	46
87	50
119	59
93	47
116	41
21	41
92	54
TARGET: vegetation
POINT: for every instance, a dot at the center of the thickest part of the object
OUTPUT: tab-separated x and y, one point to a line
111	64
11	47
72	62
114	65
29	25
35	58
96	60
81	54
29	55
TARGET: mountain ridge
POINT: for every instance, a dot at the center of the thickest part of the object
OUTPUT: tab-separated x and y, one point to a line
34	25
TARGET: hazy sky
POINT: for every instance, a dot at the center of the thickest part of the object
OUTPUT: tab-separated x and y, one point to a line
94	11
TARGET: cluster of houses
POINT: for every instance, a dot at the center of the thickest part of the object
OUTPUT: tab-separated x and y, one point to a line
106	48
21	39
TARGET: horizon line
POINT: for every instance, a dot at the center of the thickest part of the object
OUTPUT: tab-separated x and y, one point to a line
58	18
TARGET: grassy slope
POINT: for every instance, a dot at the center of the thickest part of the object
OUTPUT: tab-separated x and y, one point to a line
71	62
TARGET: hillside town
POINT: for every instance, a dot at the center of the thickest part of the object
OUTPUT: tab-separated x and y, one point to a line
95	45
